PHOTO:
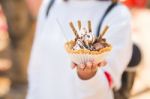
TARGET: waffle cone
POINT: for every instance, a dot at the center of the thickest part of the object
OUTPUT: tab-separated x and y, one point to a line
83	55
69	45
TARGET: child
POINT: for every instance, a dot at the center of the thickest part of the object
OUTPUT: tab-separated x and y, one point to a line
50	76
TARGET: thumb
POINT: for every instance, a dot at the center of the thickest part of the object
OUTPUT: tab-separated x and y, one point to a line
73	65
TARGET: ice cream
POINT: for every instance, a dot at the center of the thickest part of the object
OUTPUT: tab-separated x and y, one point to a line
85	39
86	46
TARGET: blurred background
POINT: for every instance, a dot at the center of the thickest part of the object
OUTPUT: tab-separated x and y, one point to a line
17	27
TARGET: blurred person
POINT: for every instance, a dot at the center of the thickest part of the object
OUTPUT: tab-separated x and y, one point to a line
140	33
21	31
33	6
135	3
50	75
5	61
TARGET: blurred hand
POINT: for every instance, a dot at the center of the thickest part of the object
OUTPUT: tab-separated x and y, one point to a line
88	70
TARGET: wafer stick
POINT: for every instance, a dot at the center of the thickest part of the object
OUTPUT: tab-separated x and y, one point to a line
74	30
103	33
79	24
89	26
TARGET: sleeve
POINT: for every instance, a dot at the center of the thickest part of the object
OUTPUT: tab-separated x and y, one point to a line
33	70
94	88
34	62
119	36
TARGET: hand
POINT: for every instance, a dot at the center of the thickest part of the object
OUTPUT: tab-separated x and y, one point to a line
88	70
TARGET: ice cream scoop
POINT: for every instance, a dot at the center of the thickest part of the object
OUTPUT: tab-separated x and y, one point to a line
86	46
85	39
89	38
79	45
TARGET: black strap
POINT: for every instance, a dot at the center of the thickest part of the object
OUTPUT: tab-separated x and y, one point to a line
101	21
49	7
103	17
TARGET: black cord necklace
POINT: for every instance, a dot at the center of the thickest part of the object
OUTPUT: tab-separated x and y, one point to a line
112	5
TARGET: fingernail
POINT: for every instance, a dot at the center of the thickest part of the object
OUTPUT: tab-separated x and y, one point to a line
103	63
72	66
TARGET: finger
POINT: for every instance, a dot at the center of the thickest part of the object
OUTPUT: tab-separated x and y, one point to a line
89	64
73	65
82	66
104	63
95	64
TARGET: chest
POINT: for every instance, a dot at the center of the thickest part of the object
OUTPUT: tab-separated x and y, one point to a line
54	29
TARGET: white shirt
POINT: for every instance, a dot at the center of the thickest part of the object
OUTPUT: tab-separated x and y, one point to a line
50	75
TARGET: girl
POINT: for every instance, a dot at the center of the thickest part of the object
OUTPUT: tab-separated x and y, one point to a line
50	76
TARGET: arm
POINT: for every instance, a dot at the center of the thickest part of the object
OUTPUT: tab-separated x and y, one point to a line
119	36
